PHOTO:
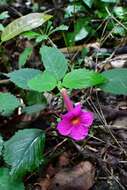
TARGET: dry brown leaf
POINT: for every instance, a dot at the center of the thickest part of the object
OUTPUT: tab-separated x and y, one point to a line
44	184
80	177
63	160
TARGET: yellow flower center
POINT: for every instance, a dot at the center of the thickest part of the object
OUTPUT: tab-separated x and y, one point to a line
75	121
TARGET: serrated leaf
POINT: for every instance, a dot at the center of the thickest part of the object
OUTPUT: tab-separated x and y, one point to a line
6	183
8	103
43	82
22	24
1	144
82	78
88	2
24	56
22	76
24	151
117	81
54	61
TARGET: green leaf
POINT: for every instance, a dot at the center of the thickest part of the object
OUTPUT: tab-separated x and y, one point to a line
8	103
59	28
20	77
85	52
41	38
6	183
82	78
33	97
24	151
36	102
117	81
22	24
24	56
120	11
70	39
110	1
119	30
43	82
73	9
1	27
54	61
33	109
31	34
88	2
1	144
80	30
81	34
3	2
4	15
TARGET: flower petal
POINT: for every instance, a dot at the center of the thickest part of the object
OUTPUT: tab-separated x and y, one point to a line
86	118
64	127
79	132
75	112
68	116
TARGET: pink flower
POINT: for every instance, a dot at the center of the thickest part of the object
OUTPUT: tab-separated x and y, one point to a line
76	122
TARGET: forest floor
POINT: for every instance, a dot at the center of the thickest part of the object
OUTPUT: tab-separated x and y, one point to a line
99	162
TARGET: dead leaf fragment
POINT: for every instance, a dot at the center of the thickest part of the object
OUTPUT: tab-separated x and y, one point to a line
80	177
43	184
63	160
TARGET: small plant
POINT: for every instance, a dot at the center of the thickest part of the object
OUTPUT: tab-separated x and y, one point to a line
23	152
